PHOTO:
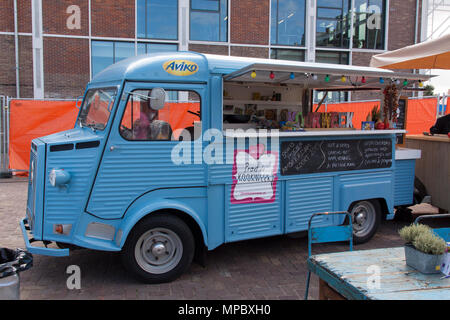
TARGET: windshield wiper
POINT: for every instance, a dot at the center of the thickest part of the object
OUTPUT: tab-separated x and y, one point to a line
95	126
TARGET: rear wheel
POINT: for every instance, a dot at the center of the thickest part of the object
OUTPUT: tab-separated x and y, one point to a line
366	217
159	249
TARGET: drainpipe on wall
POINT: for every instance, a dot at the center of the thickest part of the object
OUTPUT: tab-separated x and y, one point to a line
16	46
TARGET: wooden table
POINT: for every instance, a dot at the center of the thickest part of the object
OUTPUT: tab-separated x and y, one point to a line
351	275
433	168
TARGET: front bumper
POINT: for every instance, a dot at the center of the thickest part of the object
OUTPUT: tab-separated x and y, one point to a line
40	250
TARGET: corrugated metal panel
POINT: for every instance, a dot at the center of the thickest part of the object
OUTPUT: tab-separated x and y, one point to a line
305	197
65	205
366	176
132	169
253	220
404	182
220	174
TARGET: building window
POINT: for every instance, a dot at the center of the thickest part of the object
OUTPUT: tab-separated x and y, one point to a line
157	19
287	54
336	57
143	48
288	22
369	24
333	23
105	53
209	20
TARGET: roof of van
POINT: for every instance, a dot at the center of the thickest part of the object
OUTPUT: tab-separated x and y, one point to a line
197	67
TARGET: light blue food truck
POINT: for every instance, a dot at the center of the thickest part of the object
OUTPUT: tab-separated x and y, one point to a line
175	154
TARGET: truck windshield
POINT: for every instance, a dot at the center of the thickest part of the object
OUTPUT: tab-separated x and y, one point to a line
96	108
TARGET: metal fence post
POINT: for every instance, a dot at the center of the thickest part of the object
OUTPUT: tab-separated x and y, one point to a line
4	141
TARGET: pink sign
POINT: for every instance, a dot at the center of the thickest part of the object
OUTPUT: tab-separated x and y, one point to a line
254	175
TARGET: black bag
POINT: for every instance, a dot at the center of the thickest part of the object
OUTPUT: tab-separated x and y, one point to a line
14	261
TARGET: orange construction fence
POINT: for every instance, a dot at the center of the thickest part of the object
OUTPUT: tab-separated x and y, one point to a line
30	119
421	113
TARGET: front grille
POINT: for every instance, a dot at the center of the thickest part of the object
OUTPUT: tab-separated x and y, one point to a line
32	187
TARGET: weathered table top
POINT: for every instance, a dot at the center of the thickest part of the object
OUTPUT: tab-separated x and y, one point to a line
354	274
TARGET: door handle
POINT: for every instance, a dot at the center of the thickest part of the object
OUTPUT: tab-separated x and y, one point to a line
112	148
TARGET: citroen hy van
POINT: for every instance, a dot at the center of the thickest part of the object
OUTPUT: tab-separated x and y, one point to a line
169	158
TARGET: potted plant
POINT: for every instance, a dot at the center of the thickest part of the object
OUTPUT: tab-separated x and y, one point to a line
423	249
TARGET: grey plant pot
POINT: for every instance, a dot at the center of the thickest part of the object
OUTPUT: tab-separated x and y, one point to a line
423	262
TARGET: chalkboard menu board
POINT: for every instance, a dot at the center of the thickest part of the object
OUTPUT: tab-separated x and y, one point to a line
300	157
401	119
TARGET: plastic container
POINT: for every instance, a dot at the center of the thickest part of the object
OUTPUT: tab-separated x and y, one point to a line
10	287
11	263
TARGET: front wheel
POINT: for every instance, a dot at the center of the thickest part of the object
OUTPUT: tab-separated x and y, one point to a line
159	249
366	217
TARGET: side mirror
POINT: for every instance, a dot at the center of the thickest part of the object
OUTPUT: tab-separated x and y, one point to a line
157	98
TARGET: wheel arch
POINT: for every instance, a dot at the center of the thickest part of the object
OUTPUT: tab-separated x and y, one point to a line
382	204
175	208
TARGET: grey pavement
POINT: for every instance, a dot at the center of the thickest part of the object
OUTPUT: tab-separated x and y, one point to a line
270	268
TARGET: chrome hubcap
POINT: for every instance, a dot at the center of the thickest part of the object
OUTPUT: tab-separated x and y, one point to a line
364	216
158	250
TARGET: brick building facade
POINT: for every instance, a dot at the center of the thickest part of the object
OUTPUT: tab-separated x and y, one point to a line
56	39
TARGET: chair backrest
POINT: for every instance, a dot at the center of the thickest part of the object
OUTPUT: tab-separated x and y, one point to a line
330	233
444	233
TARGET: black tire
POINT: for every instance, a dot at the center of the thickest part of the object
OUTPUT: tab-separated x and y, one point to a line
161	236
366	219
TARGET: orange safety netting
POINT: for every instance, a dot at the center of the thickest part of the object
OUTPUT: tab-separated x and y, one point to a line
30	119
359	109
421	113
176	114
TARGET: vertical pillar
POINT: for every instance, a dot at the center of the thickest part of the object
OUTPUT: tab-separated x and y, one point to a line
38	58
311	9
183	25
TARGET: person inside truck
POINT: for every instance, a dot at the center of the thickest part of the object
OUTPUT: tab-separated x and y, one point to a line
141	126
148	127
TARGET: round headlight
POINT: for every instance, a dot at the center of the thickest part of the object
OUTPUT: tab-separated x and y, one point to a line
52	177
58	177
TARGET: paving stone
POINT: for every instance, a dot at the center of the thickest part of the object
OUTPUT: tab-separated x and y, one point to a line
271	268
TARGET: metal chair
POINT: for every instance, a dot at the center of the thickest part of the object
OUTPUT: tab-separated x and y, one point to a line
444	233
328	234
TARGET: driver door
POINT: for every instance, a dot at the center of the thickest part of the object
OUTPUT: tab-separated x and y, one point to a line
138	157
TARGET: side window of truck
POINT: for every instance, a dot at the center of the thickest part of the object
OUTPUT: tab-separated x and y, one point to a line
175	121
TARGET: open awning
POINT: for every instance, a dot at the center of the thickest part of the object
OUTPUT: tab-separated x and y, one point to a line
321	76
433	54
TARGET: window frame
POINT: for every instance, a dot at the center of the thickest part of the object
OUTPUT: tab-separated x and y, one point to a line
143	88
112	105
303	52
383	31
113	42
271	34
349	31
219	12
146	19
